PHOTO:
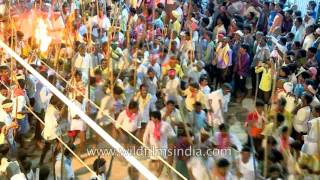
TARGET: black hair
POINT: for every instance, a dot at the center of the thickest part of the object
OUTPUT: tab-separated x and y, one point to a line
282	102
195	85
223	127
298	13
2	87
305	75
222	163
259	103
133	104
312	50
317	108
290	35
297	43
7	101
171	102
143	86
117	90
308	97
99	162
246	47
274	168
44	172
246	149
197	103
286	70
284	129
280	118
156	115
299	19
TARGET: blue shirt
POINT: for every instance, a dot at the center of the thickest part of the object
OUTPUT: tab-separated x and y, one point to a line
200	120
298	90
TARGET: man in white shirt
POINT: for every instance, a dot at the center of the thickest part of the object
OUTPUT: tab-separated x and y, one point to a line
51	127
298	29
83	62
5	117
101	24
302	117
170	113
172	87
130	121
157	133
245	165
146	103
312	139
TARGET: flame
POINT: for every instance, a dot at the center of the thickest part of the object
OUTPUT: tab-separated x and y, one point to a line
41	35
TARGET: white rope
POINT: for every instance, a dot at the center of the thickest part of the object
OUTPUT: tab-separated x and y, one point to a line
138	165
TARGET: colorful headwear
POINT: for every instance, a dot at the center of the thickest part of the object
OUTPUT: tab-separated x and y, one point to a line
7	105
313	72
172	72
288	87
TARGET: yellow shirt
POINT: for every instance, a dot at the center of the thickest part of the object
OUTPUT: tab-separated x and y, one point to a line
176	26
191	100
266	80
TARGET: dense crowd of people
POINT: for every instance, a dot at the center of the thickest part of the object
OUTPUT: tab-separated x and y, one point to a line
166	73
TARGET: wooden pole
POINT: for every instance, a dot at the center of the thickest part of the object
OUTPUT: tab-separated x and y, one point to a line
62	162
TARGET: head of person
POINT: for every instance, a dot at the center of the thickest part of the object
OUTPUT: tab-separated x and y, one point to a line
99	165
194	87
222	167
225	40
197	107
117	91
312	5
224	129
259	105
151	73
170	105
82	49
203	81
172	73
143	90
65	8
133	107
155	116
311	52
244	49
78	76
316	111
219	21
298	21
44	172
104	63
3	90
101	13
245	154
274	172
278	7
172	61
285	131
7	105
307	98
281	104
133	173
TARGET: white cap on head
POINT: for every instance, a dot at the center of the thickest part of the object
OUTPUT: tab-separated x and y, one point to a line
239	32
288	87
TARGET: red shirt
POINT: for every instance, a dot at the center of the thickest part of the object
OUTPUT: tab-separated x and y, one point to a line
257	123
